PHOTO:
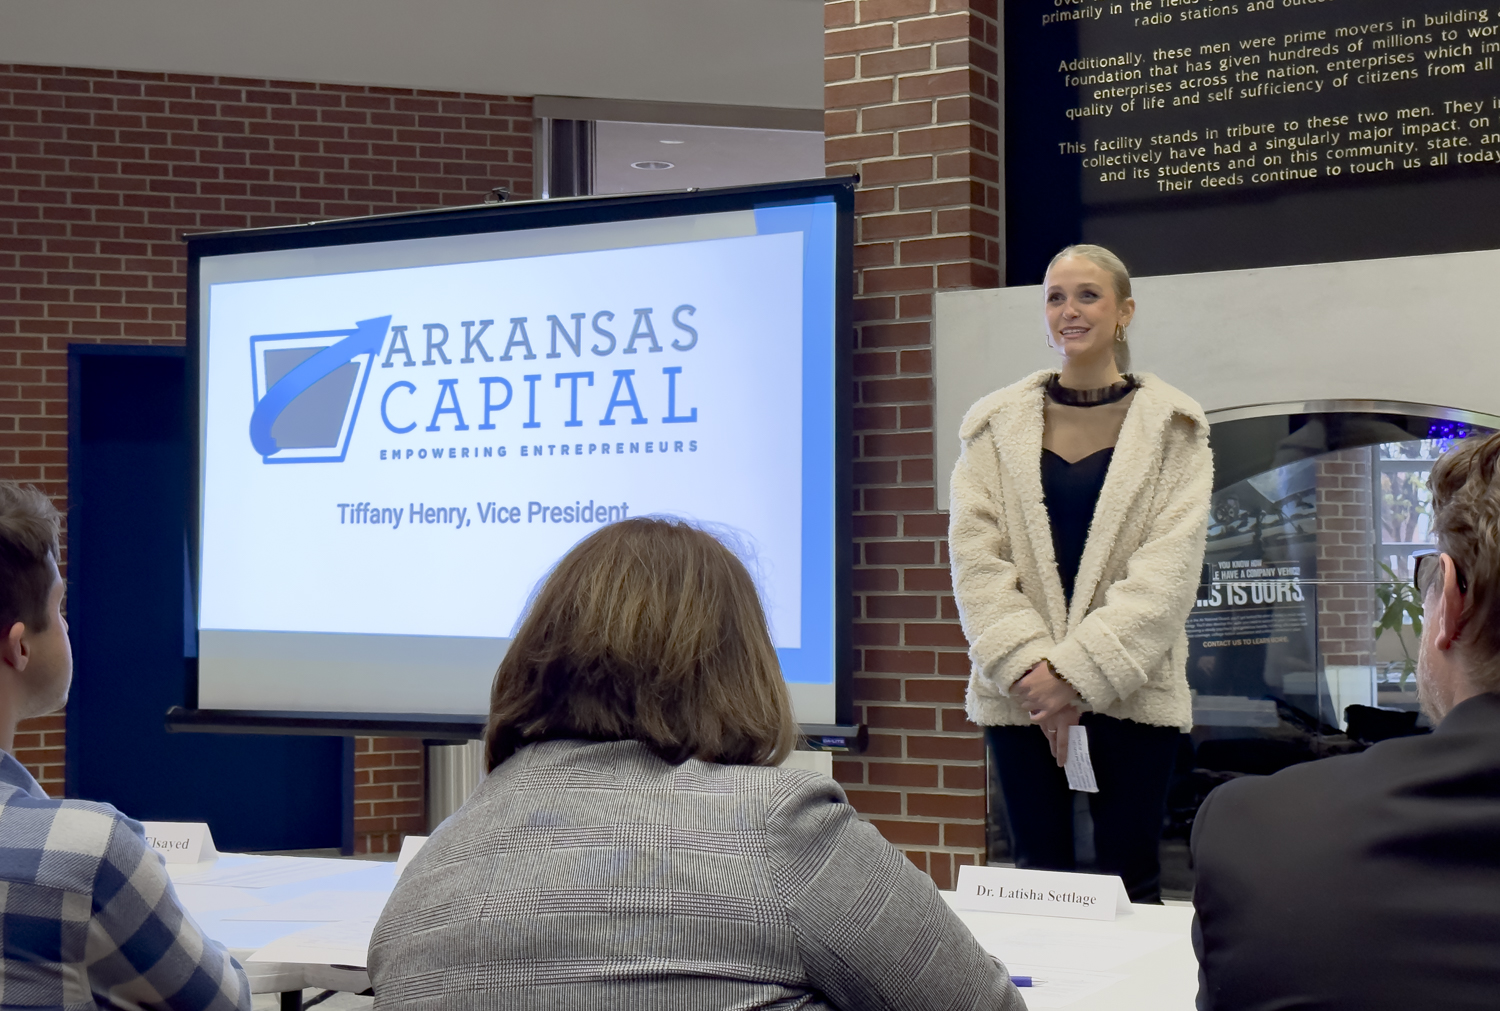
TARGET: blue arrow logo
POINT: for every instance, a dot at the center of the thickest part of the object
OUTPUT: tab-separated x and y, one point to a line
366	338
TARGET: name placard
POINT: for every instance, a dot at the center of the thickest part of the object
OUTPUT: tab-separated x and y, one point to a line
1043	893
410	847
181	842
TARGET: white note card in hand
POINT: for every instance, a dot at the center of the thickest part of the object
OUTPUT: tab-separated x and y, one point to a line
1080	769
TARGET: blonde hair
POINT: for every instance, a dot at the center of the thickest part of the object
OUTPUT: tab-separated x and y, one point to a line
1119	274
648	630
1465	485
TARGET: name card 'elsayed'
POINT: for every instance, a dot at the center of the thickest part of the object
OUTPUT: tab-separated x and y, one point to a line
181	842
1044	893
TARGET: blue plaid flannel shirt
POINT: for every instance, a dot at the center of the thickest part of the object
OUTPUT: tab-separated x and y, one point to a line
88	917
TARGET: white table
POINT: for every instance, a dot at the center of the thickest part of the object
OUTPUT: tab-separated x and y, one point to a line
215	908
1163	978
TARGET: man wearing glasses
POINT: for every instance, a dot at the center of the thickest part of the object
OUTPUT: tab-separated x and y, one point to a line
1372	881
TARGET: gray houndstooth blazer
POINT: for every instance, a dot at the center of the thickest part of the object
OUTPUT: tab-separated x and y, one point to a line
585	875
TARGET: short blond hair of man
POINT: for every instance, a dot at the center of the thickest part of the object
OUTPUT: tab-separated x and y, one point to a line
1465	485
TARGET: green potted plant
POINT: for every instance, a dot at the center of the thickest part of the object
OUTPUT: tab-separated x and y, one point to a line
1402	604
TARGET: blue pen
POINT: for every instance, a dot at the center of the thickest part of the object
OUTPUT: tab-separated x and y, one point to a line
1026	981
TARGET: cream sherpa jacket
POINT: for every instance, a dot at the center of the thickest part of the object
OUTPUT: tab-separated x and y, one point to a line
1122	644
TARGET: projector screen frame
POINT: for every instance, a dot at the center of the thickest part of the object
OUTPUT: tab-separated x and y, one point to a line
515	216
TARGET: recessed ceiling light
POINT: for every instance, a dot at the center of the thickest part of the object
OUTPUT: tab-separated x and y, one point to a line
671	142
651	164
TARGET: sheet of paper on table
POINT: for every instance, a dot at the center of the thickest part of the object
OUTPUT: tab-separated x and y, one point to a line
1043	947
346	942
323	906
264	872
1058	988
213	898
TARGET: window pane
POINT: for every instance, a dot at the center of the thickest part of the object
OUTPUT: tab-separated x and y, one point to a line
1405	507
1416	449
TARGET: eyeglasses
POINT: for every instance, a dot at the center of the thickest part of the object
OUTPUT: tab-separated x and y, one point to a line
1426	566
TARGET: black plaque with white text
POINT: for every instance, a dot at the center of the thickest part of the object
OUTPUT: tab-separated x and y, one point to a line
1198	135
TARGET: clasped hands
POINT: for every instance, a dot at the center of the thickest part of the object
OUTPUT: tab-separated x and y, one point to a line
1052	703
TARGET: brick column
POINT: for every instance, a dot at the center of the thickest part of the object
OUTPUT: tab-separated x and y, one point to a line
912	105
388	793
1346	537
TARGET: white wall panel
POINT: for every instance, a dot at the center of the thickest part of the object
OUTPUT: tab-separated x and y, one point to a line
1418	330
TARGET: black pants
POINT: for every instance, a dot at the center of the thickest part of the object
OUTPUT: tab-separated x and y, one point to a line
1133	767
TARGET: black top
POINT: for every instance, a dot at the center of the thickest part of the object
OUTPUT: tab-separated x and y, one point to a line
1071	491
1359	883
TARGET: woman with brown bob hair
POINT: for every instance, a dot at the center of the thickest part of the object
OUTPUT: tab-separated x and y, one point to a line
634	844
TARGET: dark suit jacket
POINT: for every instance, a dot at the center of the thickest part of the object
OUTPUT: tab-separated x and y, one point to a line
1363	882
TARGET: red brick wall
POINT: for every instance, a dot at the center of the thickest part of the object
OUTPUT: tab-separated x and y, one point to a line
1346	539
388	789
102	171
911	103
39	747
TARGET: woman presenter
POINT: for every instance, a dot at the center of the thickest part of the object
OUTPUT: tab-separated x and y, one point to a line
1079	510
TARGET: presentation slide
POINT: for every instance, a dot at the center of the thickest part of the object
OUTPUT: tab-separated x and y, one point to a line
400	439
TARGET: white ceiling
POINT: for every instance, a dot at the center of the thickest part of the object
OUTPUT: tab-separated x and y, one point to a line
700	156
726	52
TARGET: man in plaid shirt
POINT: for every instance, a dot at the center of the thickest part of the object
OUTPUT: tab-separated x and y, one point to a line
88	918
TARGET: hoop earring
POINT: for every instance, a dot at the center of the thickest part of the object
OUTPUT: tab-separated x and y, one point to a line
1119	333
1049	341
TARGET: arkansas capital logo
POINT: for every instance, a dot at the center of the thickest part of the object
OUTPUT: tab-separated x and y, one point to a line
308	387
